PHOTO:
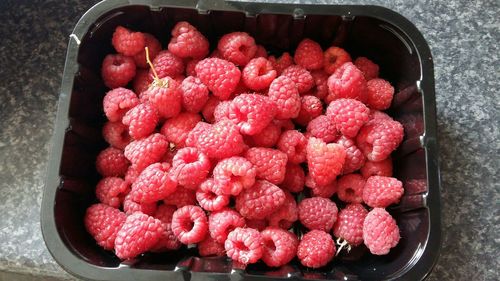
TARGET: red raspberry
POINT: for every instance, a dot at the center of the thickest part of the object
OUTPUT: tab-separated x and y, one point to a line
221	140
195	133
311	107
116	134
251	113
181	197
179	78
279	246
378	139
316	249
142	80
127	42
208	198
141	120
325	161
349	225
346	82
103	223
130	206
294	178
167	64
188	42
381	168
138	234
194	94
220	223
177	129
285	124
350	188
318	213
261	52
222	110
256	224
220	76
242	89
300	76
379	94
169	155
190	67
320	80
168	241
293	143
309	54
154	47
244	245
190	167
349	115
268	137
380	192
283	92
144	152
260	200
380	232
269	163
325	191
258	74
132	174
165	96
111	191
285	215
368	67
324	128
153	184
335	57
354	159
237	47
111	162
234	174
281	63
209	247
117	102
190	224
379	115
117	70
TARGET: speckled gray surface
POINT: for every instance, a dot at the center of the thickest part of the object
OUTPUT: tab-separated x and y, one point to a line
462	35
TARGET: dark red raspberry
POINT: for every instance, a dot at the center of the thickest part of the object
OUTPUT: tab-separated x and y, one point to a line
195	133
117	70
111	163
283	92
320	81
188	42
234	174
324	128
279	246
168	240
190	224
285	215
285	124
116	134
221	140
269	163
256	224
117	102
190	67
335	57
281	63
153	184
378	139
141	120
316	249
268	137
179	78
381	168
251	113
379	115
222	110
300	76
380	192
349	115
260	200
103	223
325	161
346	82
311	107
309	55
138	234
325	191
220	223
208	198
380	232
220	76
144	152
318	213
368	67
194	94
244	245
294	178
177	129
154	47
349	225
111	191
258	74
142	80
379	94
181	197
237	47
293	144
167	64
190	167
130	206
261	52
209	247
165	96
354	159
127	42
350	188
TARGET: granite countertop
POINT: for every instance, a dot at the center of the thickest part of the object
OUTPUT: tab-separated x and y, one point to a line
463	36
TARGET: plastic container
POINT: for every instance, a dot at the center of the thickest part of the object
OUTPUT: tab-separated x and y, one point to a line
378	33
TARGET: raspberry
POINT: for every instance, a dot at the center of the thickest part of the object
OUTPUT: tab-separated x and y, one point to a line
220	223
324	128
325	161
142	80
283	92
244	245
208	198
130	206
293	144
310	108
251	113
117	102
127	42
190	224
378	139
316	249
380	192
220	76
215	54
153	184
221	140
209	247
325	191
261	52
379	115
258	74
195	133
260	200
349	225
379	94
281	63
169	155
285	215
300	76
112	163
294	178
317	213
168	241
256	224
154	47
285	124
279	246
380	232
349	115
268	137
177	129
309	55
138	234
188	42
270	164
165	96
144	152
354	159
141	120
116	134
111	191
181	197
234	174
221	111
190	167
346	82
320	80
368	67
350	188
237	47
190	67
194	94
103	223
335	57
117	70
381	168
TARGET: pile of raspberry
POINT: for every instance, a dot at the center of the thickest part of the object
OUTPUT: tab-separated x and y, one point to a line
244	155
